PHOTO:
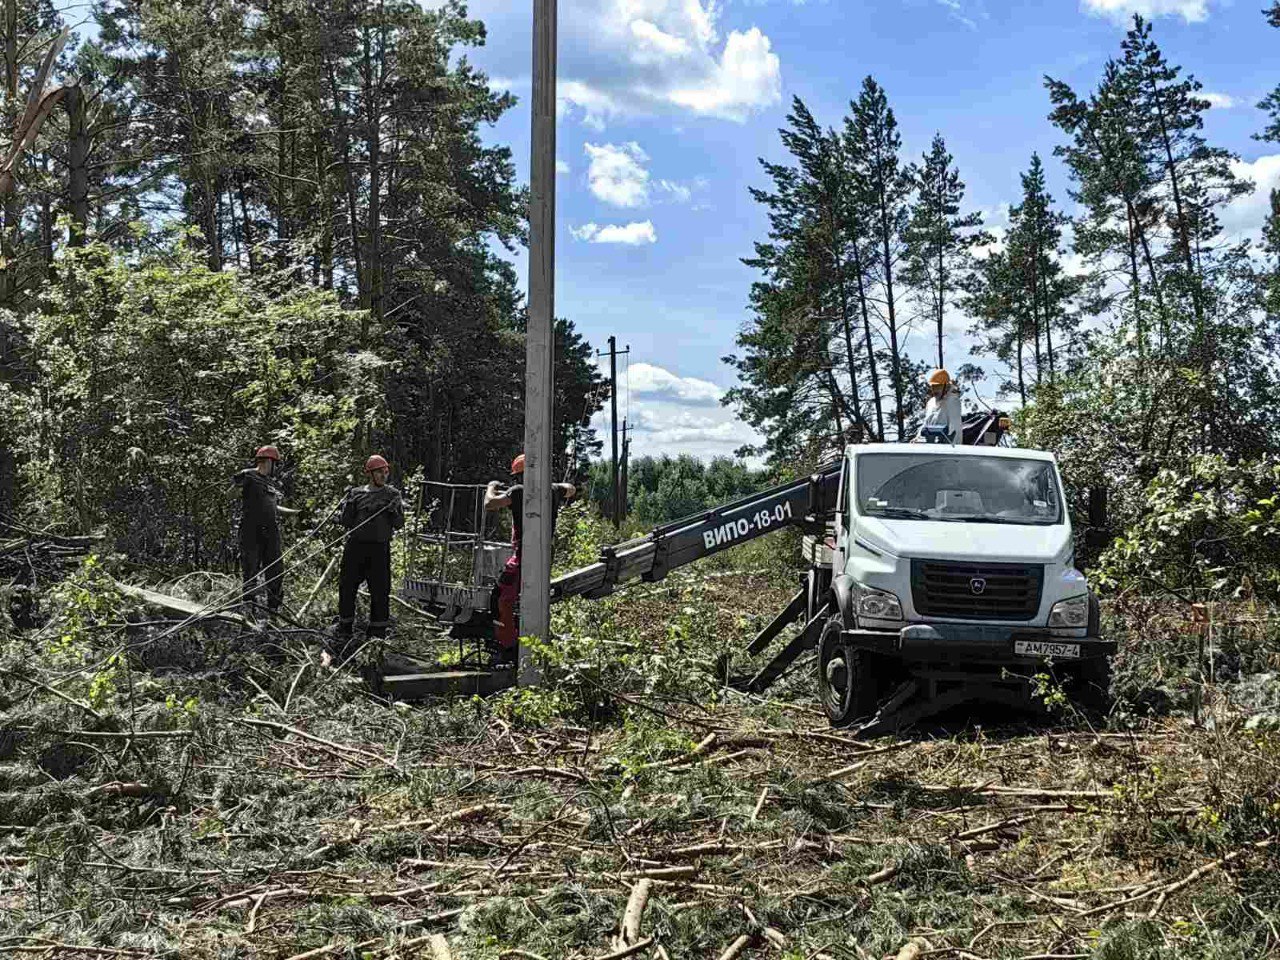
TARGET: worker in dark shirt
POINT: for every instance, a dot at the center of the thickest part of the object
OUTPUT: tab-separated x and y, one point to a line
260	552
507	632
372	514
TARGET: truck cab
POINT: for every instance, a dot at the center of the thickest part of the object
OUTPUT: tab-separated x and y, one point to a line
953	578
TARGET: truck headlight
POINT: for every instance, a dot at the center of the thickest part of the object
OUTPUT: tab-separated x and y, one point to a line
878	604
1070	613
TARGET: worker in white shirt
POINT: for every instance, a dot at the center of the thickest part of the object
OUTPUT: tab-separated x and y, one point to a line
942	418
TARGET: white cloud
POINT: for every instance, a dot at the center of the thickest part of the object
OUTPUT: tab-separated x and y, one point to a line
1219	101
629	57
561	167
1244	216
631	235
672	414
679	192
653	382
1192	11
957	10
596	105
617	175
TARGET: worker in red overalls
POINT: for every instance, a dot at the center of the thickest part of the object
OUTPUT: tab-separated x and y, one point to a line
507	632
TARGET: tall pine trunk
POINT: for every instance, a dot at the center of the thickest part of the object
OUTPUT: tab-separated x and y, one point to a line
870	346
895	357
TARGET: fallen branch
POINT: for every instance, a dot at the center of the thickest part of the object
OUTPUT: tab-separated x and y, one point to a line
341	747
1163	892
989	789
990	828
735	949
764	796
634	912
882	876
118	789
1199	872
628	951
369	944
661	873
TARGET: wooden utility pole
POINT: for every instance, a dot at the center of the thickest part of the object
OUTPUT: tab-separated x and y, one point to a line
535	567
615	498
622	478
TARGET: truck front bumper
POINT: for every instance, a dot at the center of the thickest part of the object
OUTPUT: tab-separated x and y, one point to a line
989	644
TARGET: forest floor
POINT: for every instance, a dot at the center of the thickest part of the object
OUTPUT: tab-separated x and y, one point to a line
179	794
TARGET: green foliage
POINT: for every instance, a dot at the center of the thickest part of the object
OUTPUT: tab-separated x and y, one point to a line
173	374
661	489
940	239
1209	530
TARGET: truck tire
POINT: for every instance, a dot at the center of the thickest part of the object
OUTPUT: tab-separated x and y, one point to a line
848	682
1093	681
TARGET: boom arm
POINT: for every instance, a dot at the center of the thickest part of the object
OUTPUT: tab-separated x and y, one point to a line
806	503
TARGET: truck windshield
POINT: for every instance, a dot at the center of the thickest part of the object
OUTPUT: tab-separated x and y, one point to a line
960	489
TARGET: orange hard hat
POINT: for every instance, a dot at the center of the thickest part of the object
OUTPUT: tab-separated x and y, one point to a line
267	453
376	462
517	465
940	378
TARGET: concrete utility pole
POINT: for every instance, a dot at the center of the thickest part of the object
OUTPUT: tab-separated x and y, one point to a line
535	576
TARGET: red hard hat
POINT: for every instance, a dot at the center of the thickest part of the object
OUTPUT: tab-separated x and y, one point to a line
267	453
517	465
376	462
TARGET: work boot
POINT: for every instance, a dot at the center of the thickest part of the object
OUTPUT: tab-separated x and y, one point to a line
505	658
338	645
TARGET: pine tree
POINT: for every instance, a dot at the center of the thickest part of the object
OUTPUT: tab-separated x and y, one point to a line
1168	118
939	238
1271	103
1271	250
28	207
997	299
790	388
884	186
1034	245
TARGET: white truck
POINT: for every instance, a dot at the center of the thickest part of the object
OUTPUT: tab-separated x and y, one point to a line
938	575
953	577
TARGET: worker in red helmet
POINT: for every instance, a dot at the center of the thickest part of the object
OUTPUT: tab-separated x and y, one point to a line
507	632
260	552
372	514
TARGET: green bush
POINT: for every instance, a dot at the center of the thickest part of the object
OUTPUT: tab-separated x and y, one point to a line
172	374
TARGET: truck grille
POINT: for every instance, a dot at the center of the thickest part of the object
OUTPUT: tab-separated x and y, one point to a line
976	591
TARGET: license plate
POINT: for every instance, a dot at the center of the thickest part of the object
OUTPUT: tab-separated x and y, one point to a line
1046	648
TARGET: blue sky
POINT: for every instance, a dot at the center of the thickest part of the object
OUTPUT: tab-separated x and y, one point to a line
667	104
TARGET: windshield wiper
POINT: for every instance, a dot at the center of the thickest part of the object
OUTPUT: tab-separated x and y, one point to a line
1014	521
899	513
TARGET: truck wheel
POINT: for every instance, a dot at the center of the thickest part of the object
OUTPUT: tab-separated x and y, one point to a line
1093	686
1093	682
847	681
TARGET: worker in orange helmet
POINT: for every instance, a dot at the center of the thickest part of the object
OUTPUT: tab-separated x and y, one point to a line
371	514
260	549
943	422
507	632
